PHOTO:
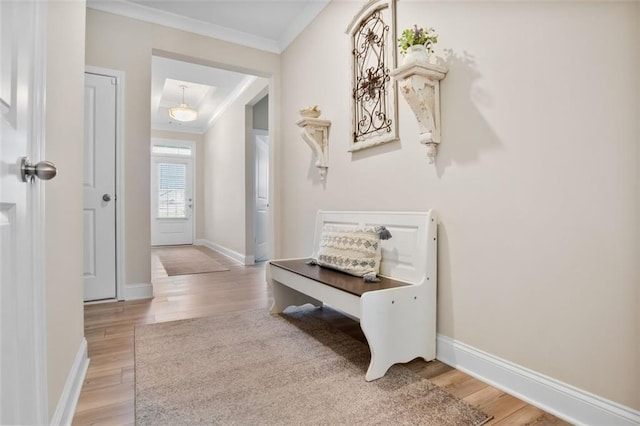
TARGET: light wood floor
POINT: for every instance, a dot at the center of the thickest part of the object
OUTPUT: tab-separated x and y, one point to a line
107	396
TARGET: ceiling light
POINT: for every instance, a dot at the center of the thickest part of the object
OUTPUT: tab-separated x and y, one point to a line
183	112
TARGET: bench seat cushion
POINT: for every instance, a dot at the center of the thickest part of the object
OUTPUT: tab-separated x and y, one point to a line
336	279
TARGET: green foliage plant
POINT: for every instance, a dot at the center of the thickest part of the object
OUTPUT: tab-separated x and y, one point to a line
415	36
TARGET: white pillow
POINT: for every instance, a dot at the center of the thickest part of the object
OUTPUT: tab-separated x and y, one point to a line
354	251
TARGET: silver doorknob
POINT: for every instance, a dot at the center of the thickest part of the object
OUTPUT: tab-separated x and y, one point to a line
106	197
44	170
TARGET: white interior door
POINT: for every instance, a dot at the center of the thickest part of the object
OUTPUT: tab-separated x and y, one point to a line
172	195
99	187
262	195
23	382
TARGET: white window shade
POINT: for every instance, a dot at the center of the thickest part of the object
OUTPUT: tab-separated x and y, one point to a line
172	190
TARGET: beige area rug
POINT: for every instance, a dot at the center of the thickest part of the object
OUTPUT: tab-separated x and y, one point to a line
251	368
187	260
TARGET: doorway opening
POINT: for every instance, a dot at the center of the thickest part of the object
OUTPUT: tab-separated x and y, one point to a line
261	211
216	207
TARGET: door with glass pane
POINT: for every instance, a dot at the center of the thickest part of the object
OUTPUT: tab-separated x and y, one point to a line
171	195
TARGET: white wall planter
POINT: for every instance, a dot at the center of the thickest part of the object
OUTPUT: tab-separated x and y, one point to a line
419	84
315	132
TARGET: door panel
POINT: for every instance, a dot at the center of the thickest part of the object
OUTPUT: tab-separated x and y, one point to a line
99	182
171	200
23	346
262	197
89	242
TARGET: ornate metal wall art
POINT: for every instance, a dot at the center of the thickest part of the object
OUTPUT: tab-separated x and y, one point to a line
374	99
371	78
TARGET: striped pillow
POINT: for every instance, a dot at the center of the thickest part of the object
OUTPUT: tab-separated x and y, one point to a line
356	251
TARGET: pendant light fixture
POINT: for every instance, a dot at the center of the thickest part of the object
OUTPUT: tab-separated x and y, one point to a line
183	112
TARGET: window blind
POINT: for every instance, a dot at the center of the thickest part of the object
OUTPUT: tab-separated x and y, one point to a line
172	190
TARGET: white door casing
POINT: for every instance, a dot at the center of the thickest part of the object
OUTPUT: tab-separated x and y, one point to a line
261	224
23	378
99	187
172	192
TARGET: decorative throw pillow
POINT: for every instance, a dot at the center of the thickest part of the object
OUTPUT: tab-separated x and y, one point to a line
354	251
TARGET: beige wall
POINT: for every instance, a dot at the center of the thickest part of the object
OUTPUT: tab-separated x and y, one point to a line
261	114
127	44
63	199
199	166
637	114
226	176
536	181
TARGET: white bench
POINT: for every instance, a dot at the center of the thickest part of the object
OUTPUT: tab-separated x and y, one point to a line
397	315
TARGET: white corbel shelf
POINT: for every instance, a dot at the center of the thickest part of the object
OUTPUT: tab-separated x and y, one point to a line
419	83
315	132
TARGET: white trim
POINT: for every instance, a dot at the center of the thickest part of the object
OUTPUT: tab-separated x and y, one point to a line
167	19
231	254
567	402
100	302
138	291
176	128
180	143
120	179
233	96
66	407
250	172
274	174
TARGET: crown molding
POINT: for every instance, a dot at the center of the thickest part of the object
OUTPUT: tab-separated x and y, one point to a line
235	94
167	19
301	22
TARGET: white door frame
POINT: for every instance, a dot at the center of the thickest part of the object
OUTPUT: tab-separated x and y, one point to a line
120	181
194	192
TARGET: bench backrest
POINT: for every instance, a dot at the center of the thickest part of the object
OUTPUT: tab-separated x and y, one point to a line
410	255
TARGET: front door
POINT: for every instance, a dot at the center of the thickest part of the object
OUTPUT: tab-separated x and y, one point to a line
23	347
172	195
99	187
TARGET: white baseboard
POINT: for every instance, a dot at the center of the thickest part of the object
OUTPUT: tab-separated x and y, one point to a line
231	254
138	291
560	399
68	400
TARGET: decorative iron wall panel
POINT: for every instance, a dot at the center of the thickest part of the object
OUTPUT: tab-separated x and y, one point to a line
374	99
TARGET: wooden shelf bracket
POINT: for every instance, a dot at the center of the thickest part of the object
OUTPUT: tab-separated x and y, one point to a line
315	132
419	84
